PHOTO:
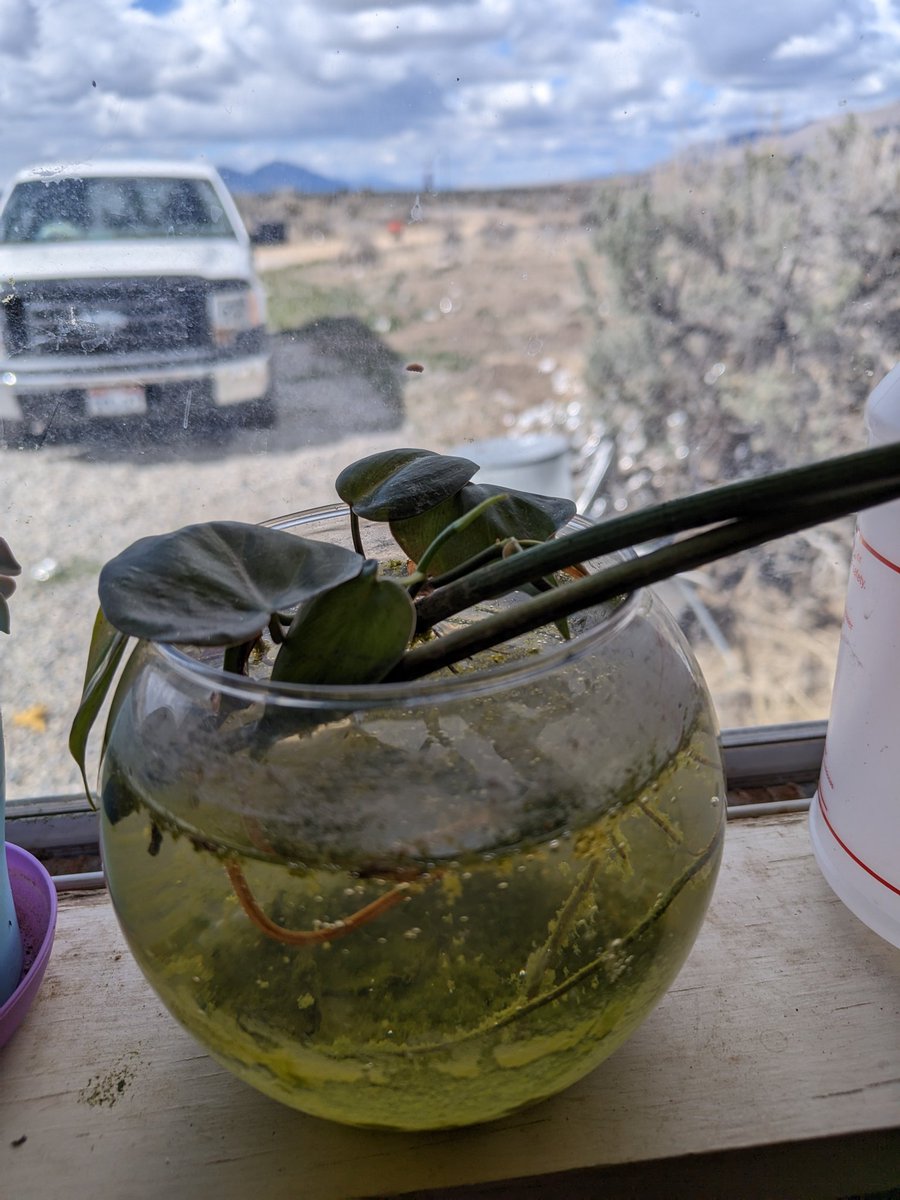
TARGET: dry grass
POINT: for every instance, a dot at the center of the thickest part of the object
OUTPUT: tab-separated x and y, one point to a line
485	295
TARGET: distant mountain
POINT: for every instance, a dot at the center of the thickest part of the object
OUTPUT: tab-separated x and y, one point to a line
273	176
801	139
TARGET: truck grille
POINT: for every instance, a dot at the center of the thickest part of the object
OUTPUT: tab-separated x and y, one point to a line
105	316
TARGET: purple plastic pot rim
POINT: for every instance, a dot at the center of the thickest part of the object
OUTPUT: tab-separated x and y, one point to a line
22	864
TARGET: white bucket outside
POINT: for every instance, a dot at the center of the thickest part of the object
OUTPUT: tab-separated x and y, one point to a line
531	463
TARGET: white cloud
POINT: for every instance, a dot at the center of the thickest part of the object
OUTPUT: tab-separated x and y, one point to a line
830	39
496	90
18	27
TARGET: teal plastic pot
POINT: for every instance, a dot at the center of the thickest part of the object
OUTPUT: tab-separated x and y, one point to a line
10	937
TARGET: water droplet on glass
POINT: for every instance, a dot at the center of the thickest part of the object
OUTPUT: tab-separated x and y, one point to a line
44	570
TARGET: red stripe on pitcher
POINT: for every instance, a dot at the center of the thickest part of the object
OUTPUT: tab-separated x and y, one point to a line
881	558
843	845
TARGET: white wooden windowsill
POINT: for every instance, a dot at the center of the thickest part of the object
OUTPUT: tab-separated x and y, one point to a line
771	1068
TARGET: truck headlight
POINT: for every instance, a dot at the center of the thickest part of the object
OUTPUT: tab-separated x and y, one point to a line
234	310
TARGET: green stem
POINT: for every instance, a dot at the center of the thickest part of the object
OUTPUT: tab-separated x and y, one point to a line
561	927
234	658
516	1012
685	555
355	534
455	527
488	555
784	496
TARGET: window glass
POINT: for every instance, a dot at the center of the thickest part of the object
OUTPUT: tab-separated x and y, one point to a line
242	244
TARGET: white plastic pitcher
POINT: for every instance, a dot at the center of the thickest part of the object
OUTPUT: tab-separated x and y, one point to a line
855	818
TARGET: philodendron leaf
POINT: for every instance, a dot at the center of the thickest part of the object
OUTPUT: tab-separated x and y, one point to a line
8	568
107	645
521	515
397	484
353	634
8	564
217	584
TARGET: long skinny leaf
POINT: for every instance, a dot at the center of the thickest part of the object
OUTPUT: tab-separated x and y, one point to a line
687	554
788	497
106	649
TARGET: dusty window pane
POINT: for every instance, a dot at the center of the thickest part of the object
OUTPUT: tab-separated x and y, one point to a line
660	241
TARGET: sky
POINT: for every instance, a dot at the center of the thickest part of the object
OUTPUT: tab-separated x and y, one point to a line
467	93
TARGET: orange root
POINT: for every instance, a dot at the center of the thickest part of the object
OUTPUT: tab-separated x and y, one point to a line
309	937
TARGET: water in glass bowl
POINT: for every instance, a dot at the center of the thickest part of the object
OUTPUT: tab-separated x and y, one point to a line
455	992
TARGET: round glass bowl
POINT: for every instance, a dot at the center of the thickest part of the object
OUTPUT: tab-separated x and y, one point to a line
417	905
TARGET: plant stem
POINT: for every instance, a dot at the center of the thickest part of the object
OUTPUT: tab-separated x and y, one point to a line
356	535
457	526
488	555
788	498
684	555
515	1012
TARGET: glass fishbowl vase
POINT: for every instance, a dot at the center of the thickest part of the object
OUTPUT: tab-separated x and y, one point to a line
426	904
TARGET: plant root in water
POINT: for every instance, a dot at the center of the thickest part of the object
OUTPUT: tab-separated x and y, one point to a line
310	937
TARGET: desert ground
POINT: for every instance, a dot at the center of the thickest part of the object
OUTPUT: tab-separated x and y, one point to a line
496	298
483	292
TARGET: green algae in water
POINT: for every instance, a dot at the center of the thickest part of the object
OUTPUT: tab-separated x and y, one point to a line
499	978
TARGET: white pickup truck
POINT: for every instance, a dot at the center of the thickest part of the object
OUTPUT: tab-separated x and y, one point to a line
128	293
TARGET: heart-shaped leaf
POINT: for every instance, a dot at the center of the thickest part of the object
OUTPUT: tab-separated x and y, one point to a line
107	646
8	564
217	584
353	634
522	515
396	484
8	568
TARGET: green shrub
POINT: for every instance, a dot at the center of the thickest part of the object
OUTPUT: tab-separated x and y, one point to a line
753	298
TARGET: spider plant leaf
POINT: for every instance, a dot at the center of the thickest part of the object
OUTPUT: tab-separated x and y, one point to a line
105	651
218	583
397	484
353	634
522	515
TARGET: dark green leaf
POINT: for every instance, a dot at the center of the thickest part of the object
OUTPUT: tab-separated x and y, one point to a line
107	646
353	634
8	564
217	584
521	515
8	567
397	484
118	799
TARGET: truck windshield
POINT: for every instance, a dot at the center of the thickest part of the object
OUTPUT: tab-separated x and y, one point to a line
103	208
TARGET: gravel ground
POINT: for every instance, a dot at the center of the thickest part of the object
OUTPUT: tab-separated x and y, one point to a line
66	509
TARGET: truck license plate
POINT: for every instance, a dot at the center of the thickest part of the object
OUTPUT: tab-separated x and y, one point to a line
115	401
